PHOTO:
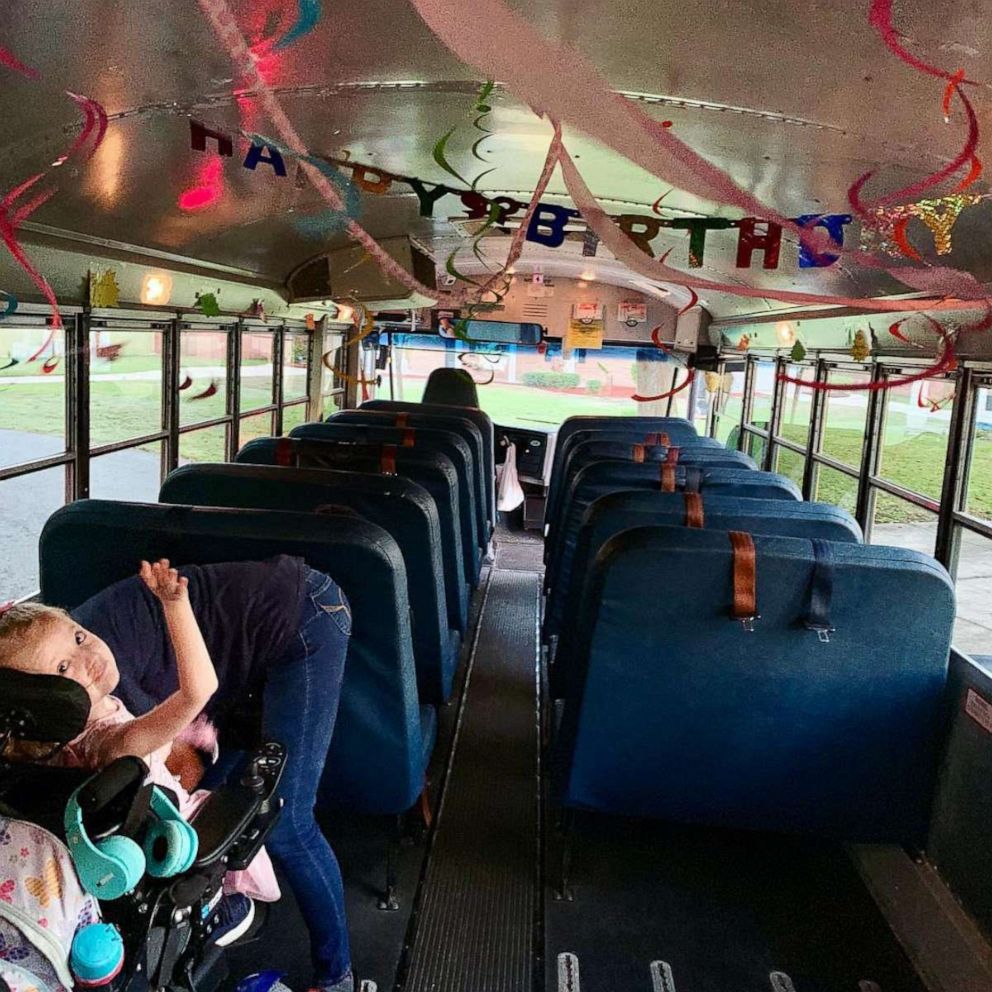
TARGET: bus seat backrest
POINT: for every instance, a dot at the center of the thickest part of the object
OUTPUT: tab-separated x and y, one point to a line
471	490
451	387
375	764
399	506
684	714
602	477
585	452
477	417
452	420
431	470
674	429
678	429
610	515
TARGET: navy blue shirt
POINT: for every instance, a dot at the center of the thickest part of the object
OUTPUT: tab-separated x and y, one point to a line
248	612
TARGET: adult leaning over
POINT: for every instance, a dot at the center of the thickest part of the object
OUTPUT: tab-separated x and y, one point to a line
277	632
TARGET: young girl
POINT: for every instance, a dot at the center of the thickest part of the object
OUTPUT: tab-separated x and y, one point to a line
45	640
278	634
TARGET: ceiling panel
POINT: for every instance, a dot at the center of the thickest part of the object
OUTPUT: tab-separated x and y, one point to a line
794	100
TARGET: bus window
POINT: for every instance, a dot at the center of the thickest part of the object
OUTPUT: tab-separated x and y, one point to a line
973	535
32	393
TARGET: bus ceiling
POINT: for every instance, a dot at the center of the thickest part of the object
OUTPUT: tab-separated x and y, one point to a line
191	174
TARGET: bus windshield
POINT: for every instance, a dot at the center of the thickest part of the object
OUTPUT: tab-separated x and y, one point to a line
538	385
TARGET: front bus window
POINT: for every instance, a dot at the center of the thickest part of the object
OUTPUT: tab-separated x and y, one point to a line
536	385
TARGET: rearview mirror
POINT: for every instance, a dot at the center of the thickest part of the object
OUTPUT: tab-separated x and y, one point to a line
488	331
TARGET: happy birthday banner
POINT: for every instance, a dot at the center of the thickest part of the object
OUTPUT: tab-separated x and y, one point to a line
550	224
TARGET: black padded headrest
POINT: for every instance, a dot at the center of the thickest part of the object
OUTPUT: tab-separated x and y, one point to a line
48	708
451	387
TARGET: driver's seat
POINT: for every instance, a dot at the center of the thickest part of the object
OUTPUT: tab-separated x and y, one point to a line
451	387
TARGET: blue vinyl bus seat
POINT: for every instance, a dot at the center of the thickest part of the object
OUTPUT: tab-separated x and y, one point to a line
678	429
678	432
401	507
470	489
463	427
476	417
587	451
620	511
382	737
683	714
350	440
600	478
431	470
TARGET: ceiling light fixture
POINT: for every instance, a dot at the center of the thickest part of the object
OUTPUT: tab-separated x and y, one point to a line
156	288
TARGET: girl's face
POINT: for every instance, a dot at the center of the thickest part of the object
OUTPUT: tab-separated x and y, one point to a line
62	647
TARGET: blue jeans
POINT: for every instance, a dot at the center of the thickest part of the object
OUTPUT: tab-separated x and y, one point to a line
299	707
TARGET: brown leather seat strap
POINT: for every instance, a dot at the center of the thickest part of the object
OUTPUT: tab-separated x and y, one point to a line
387	459
284	451
402	419
745	565
637	453
667	477
673	455
693	510
409	437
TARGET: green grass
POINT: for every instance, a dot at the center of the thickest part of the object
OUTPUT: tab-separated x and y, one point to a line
132	408
124	364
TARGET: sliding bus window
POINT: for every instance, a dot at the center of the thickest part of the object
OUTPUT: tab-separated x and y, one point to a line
126	375
763	393
973	532
257	376
844	417
728	404
206	444
202	375
133	474
32	392
916	427
26	502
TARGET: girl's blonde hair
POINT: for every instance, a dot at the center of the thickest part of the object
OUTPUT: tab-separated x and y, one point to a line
18	622
17	625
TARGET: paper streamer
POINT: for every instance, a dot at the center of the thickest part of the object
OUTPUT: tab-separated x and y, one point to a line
11	61
880	18
209	391
671	392
308	15
945	363
568	88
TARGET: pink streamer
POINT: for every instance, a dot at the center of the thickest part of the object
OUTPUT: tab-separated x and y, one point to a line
13	62
880	18
945	363
917	189
563	84
227	30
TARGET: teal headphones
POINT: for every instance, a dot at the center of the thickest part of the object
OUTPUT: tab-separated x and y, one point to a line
111	867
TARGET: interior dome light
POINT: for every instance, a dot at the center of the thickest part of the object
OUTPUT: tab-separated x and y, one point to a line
156	288
786	335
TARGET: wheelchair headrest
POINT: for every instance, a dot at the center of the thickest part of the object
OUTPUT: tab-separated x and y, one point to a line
48	708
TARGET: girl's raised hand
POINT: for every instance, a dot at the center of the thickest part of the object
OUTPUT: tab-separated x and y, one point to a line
165	582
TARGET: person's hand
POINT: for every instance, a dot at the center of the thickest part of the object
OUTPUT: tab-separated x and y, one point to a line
165	582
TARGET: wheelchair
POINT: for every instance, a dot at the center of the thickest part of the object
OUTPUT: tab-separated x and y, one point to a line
154	878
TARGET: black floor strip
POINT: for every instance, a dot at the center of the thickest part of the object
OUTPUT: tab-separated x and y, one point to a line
476	919
725	911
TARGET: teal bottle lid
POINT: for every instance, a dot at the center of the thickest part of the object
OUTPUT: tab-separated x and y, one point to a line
97	954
